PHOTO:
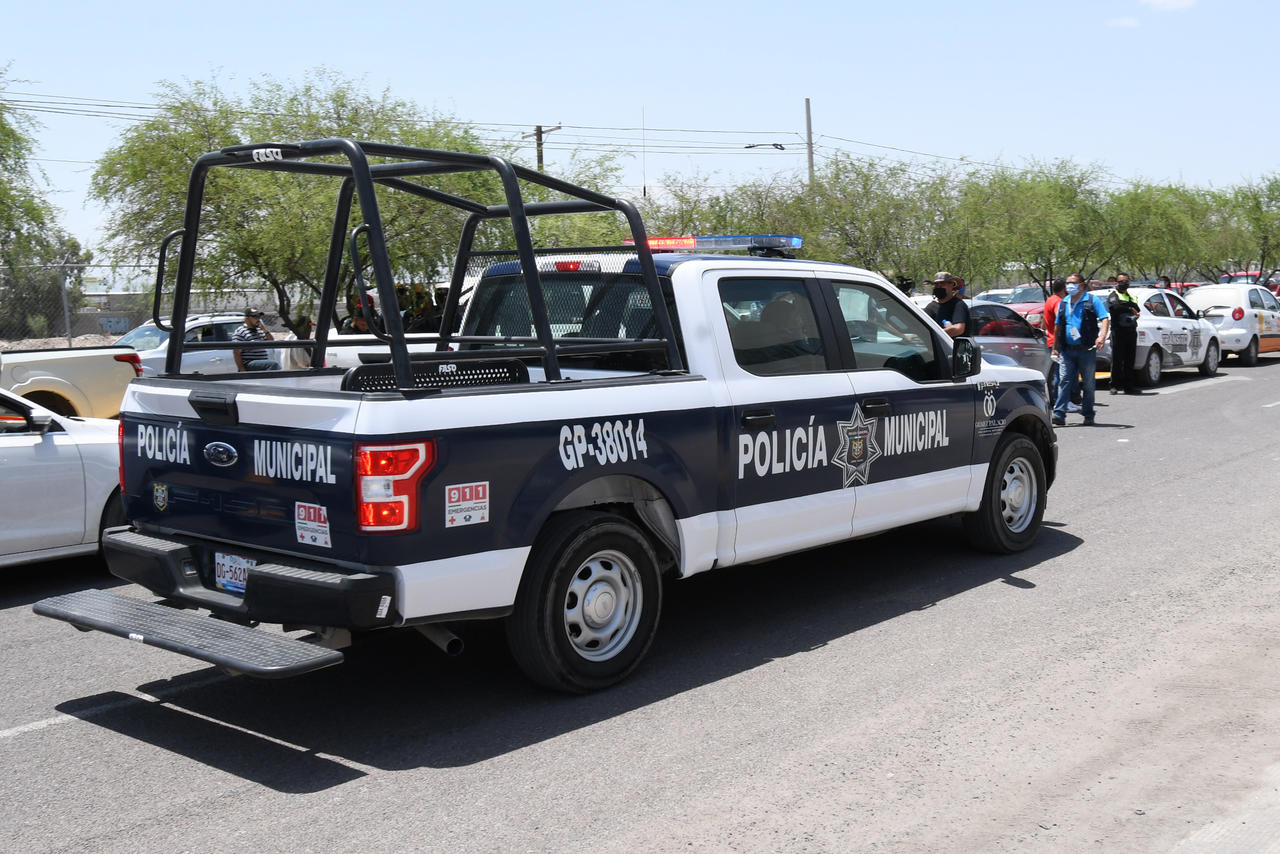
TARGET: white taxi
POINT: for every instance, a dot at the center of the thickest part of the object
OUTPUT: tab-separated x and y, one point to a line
1171	334
1247	318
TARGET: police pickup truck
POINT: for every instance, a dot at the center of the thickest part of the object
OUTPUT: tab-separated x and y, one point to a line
592	423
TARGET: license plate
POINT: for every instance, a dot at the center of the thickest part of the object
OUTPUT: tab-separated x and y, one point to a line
230	571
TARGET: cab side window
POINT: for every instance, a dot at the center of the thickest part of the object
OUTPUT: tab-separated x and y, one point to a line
1269	301
773	326
12	419
1180	308
884	333
1156	305
1255	299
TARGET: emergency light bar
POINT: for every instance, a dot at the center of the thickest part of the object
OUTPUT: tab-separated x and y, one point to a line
731	243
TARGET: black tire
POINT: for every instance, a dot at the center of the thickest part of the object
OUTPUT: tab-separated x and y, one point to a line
1249	355
579	557
1012	508
1152	368
112	516
1212	358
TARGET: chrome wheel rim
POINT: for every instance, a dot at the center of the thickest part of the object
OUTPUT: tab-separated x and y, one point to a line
1018	495
602	605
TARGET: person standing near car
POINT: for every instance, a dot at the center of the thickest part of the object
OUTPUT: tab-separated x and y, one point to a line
1081	328
1124	311
947	309
1057	290
253	358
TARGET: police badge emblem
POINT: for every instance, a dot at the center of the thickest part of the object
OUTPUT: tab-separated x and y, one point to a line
160	496
858	447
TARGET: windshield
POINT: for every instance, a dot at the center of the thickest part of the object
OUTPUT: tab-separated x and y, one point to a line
144	338
1030	294
1002	297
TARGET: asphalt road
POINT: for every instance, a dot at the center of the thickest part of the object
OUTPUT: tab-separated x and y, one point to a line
1115	688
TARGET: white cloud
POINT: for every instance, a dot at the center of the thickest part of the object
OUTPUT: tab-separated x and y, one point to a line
1168	5
1123	23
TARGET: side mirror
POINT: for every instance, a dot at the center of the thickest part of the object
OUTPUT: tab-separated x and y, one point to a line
966	359
40	423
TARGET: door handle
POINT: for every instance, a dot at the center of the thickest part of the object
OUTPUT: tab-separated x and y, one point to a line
876	406
758	419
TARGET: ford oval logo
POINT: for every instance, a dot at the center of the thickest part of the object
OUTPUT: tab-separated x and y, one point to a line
221	454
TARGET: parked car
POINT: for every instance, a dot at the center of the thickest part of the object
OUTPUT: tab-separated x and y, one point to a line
62	482
87	381
152	344
1270	281
1247	318
1001	330
1171	334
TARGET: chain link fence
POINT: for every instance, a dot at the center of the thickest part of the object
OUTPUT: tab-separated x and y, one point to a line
47	310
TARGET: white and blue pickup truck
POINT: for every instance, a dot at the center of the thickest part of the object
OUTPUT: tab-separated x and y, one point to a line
594	422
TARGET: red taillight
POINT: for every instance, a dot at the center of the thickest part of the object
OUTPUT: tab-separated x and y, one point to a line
120	443
568	266
387	478
133	359
1237	313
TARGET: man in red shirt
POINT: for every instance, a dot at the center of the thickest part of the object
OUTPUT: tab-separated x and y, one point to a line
1056	292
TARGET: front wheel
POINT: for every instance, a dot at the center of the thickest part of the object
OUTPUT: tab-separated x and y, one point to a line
1013	499
1212	358
588	605
1152	367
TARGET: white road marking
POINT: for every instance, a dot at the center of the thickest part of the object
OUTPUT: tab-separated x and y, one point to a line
1269	405
94	711
1203	384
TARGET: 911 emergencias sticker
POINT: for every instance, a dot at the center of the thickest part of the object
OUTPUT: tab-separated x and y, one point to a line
466	504
311	524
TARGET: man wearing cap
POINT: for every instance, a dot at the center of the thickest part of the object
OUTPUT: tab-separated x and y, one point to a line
253	358
947	309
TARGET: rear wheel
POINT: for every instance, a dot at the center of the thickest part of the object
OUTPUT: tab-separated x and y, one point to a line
56	403
1249	355
1012	508
113	515
588	605
1152	367
1212	358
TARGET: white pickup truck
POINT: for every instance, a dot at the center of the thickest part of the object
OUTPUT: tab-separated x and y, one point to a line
602	420
85	381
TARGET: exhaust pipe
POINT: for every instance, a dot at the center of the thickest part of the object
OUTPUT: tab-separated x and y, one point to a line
449	643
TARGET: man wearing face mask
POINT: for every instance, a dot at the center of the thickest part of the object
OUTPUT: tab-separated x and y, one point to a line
947	309
1082	324
1124	311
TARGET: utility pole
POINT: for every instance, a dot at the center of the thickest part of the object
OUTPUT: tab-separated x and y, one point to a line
808	126
538	132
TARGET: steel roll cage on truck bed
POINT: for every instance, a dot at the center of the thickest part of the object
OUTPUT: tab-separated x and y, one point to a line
552	459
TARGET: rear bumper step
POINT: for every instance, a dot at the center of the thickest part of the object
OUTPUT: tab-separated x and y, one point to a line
254	652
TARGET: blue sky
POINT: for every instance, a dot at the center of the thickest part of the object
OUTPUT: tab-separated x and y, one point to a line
1165	90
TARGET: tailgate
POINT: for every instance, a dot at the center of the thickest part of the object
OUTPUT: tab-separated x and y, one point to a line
241	470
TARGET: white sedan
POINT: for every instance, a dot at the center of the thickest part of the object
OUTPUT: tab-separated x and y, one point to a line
61	482
1171	334
1247	318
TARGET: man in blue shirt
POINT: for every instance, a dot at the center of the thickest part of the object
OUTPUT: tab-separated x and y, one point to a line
1081	328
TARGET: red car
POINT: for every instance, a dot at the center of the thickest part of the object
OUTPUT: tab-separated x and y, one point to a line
1271	280
1026	300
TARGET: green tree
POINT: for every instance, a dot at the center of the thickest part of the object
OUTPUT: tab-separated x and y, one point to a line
1252	224
1159	230
36	254
265	229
